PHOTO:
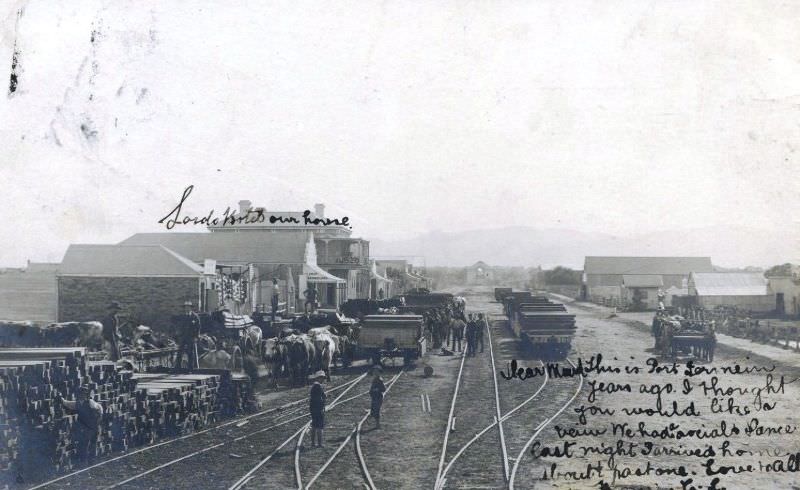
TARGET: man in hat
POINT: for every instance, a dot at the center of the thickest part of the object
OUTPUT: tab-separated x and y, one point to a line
89	414
311	298
470	334
376	391
188	332
316	405
275	298
111	329
457	327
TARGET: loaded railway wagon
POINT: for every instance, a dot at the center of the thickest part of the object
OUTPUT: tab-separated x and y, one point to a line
544	326
391	336
500	293
419	303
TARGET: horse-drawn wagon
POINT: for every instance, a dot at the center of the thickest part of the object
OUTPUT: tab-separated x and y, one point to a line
675	335
227	340
385	337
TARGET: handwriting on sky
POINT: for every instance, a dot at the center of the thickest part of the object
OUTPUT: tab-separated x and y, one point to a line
642	423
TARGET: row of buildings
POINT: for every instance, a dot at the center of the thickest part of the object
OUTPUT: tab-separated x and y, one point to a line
693	279
230	266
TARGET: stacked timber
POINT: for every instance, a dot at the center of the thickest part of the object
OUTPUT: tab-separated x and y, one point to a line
38	434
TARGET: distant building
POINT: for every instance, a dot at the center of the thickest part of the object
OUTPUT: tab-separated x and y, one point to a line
402	274
479	273
603	276
745	290
29	293
642	288
787	292
381	287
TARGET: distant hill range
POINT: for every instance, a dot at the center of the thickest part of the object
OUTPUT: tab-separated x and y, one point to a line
728	246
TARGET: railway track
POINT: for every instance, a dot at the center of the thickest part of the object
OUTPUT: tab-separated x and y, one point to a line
356	431
250	478
107	472
471	452
540	428
482	388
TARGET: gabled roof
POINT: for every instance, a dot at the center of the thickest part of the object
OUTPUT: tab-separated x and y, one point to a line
480	263
129	261
730	284
642	281
253	247
647	265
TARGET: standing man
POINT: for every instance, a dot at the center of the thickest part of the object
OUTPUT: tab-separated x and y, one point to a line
380	293
89	415
275	297
111	329
471	326
458	326
316	405
188	332
311	298
376	391
481	323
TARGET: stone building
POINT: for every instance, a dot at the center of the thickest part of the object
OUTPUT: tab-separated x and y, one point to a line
151	283
246	263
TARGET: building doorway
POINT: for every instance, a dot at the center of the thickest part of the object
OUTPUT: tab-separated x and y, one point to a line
780	307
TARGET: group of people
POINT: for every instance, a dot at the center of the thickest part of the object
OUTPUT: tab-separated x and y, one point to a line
318	398
187	334
447	327
470	330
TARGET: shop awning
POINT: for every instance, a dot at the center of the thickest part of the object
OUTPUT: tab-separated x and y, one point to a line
317	275
374	274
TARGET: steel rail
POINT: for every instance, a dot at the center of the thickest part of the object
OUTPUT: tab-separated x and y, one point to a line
356	430
541	428
449	423
182	438
239	483
490	426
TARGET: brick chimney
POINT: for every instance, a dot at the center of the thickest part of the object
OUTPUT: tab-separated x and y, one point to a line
319	210
244	205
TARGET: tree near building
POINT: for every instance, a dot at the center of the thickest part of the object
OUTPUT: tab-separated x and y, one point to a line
562	276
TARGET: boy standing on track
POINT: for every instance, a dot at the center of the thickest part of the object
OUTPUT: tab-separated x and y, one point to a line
316	406
376	391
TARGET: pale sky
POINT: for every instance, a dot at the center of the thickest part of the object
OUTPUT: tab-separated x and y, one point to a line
409	116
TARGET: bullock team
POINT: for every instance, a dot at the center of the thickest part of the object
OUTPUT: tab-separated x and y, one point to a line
294	353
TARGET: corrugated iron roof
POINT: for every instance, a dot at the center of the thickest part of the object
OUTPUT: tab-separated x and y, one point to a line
249	247
642	281
129	261
647	265
730	284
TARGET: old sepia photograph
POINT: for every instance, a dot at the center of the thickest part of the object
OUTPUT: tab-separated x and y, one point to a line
463	244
